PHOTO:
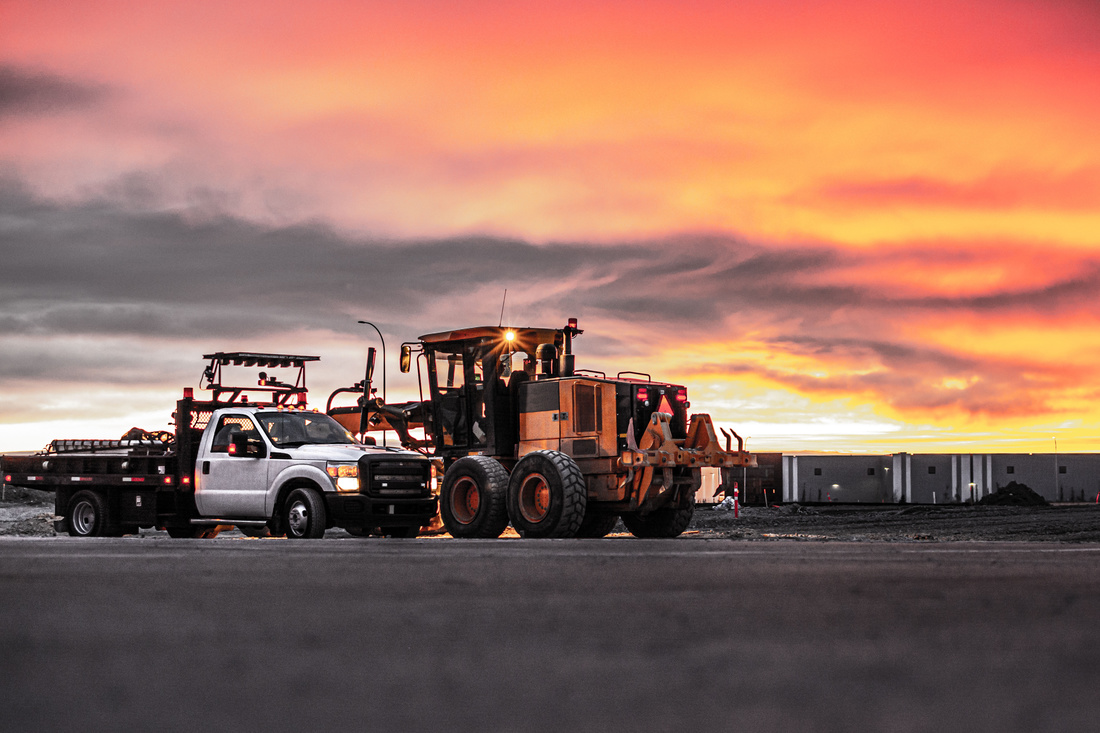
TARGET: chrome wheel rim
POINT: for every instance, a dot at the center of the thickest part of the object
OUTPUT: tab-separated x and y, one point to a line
298	518
84	517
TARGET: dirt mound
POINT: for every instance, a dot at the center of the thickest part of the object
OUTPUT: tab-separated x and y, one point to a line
1015	495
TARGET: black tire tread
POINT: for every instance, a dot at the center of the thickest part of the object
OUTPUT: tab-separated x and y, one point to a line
597	524
660	524
574	496
491	524
317	513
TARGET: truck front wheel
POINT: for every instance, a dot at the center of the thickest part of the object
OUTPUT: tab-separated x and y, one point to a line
87	515
472	498
304	515
547	495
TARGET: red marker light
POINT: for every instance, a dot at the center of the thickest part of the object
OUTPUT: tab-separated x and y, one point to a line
167	479
643	393
232	450
682	395
186	480
7	479
188	393
572	322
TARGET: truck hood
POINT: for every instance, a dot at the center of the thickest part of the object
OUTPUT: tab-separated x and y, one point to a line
340	452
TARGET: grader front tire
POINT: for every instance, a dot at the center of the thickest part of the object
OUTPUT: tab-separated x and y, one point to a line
472	500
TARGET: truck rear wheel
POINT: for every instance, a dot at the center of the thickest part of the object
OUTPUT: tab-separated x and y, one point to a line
472	501
304	515
661	523
597	524
547	495
87	515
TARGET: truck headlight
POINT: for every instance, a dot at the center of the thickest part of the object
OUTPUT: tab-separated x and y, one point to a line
346	475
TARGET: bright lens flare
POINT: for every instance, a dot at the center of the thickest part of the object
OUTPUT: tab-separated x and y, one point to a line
510	336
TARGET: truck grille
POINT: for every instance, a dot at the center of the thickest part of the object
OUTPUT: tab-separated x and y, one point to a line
396	479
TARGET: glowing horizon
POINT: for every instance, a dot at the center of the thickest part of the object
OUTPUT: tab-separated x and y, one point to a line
843	224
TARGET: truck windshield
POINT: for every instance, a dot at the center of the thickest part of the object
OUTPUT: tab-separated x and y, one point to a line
289	429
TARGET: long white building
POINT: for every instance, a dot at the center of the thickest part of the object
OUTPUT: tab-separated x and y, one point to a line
927	478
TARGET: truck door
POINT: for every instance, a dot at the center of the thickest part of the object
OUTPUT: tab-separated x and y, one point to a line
228	484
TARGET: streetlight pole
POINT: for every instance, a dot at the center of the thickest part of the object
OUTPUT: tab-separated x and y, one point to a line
383	340
1057	487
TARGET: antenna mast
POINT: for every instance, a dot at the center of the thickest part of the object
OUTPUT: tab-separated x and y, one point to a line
502	308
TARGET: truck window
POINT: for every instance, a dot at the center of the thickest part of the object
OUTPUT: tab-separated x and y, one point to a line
289	429
230	425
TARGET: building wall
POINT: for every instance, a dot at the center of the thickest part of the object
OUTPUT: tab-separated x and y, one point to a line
847	479
927	478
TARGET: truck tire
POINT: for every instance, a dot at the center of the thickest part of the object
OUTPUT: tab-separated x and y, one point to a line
304	515
597	524
662	523
87	515
472	500
547	495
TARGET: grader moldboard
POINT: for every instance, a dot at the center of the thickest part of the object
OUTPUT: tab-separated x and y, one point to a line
524	436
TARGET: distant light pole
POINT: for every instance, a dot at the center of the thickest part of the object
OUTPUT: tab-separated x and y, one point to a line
1057	486
380	338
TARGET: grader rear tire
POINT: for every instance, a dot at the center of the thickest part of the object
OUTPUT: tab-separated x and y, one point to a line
597	524
472	498
547	495
663	523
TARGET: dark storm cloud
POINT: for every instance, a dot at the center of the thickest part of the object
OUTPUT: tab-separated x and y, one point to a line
26	92
109	269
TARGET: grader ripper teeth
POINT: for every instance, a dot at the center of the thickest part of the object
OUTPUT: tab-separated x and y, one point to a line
650	465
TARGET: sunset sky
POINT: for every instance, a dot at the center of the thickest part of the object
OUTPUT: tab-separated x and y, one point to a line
845	225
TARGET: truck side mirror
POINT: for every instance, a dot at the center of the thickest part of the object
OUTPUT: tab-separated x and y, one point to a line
406	358
238	445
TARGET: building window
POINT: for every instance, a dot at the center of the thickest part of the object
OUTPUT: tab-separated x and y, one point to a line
870	472
1061	469
1011	469
931	469
817	472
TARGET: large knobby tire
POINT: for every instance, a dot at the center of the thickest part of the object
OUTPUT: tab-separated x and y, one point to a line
597	524
547	495
662	523
304	515
472	499
87	515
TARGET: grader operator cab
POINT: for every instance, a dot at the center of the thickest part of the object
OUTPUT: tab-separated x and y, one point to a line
527	437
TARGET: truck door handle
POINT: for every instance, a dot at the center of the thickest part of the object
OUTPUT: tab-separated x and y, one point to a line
206	468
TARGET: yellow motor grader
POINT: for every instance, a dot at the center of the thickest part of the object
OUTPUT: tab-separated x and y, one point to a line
525	437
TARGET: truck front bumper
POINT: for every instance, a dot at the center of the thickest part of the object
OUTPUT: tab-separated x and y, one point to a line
360	510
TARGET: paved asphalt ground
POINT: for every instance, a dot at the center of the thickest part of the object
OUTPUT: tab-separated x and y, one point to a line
619	634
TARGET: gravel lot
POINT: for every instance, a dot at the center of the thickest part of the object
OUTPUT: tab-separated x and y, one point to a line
30	513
